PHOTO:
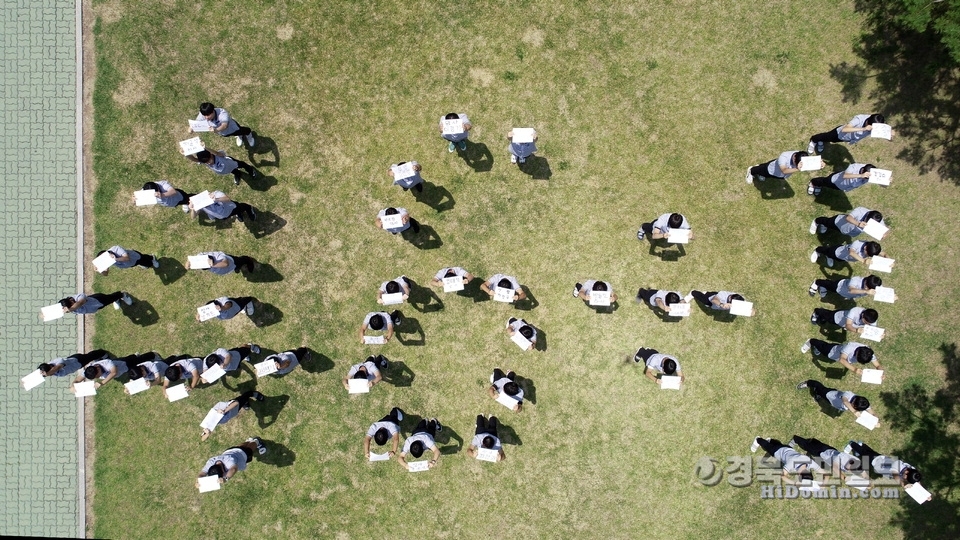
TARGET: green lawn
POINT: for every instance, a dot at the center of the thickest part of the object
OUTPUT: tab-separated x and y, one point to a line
641	109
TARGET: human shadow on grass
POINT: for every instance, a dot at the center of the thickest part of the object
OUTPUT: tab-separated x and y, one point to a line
266	315
473	290
266	224
507	434
410	333
423	299
426	238
537	167
666	251
269	409
529	303
773	189
541	344
830	369
260	182
264	273
437	197
277	454
718	315
836	157
604	309
529	388
267	148
398	374
170	270
931	420
834	199
449	441
664	316
140	313
318	362
477	156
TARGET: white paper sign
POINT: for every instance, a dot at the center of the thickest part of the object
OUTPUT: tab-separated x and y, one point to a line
452	284
391	299
452	127
358	386
812	486
266	367
211	420
198	262
212	374
858	482
524	135
811	163
881	264
103	261
669	382
50	313
521	341
33	380
145	197
209	483
207	312
884	294
503	294
599	298
872	376
176	393
488	454
880	176
403	171
871	332
678	236
85	388
881	131
418	466
868	420
392	221
201	200
200	125
918	493
876	229
137	385
380	457
741	308
191	146
680	309
374	340
507	401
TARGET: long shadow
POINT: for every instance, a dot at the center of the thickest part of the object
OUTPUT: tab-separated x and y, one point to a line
473	290
266	315
604	309
398	374
445	437
170	270
836	157
932	422
508	435
529	389
830	369
140	313
541	344
477	156
773	189
529	303
427	238
915	82
266	147
664	316
834	199
260	182
264	273
277	454
718	315
537	167
663	249
424	299
318	363
269	409
437	197
410	333
266	224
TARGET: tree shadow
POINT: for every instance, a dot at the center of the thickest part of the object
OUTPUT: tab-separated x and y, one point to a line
410	333
264	273
527	304
774	188
666	253
423	299
427	238
277	454
266	315
508	435
269	409
398	374
266	147
437	197
529	389
444	438
477	156
266	224
537	167
140	313
916	81
318	363
170	270
260	182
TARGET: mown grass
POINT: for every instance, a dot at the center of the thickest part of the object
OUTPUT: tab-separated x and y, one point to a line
641	109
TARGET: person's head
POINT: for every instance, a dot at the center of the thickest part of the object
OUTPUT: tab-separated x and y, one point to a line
173	373
671	298
797	156
361	373
873	215
852	464
600	286
416	449
381	436
92	372
511	388
487	442
675	220
152	186
735	297
391	211
526	331
866	168
377	322
137	372
911	475
450	273
451	116
863	355
393	287
505	284
869	316
872	282
204	156
875	118
45	369
67	302
860	403
806	476
669	366
212	359
207	110
871	248
217	469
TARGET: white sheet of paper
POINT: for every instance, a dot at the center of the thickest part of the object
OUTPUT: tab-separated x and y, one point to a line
741	308
452	127
918	493
34	379
209	483
881	264
678	236
873	333
200	125
867	420
207	312
680	309
198	262
103	261
880	176
374	340
392	221
872	376
521	341
669	382
503	294
506	400
812	486
52	312
881	131
201	200
358	386
391	299
402	171
380	457
487	454
418	466
136	386
876	229
85	388
811	163
452	284
176	393
145	197
212	374
858	482
884	294
266	367
599	298
523	135
211	420
191	146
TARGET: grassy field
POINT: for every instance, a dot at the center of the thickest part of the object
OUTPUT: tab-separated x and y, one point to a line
641	109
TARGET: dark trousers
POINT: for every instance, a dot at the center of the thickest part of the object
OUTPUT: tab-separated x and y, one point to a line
823	182
107	299
426	426
186	197
394	416
818	390
243	263
647	228
242	131
644	354
242	211
704	297
828	251
245	351
828	284
92	356
827	136
646	294
246	450
825	317
145	260
821	347
865	453
813	447
300	353
828	222
243	400
487	426
499	374
770	446
763	170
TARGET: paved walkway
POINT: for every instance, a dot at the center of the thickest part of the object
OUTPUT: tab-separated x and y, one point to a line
39	479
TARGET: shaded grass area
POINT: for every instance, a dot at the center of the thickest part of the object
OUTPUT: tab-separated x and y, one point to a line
641	110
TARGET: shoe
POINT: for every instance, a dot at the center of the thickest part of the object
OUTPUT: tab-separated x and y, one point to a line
761	179
688	297
521	160
116	305
156	263
239	141
250	140
811	190
814	319
848	449
813	227
821	229
126	299
236	180
819	147
261	449
254	348
829	262
756	444
813	288
805	348
382	362
640	234
511	375
749	177
451	147
513	159
576	290
791	443
400	414
253	214
185	208
249	310
258	396
810	147
462	145
802	385
254	173
814	256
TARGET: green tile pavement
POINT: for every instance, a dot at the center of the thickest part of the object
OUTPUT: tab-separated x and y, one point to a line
39	480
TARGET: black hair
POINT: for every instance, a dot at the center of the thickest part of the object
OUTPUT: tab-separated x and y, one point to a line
203	156
92	372
869	316
217	469
872	282
393	287
361	373
671	298
866	168
675	220
808	476
391	211
797	156
45	367
912	475
67	302
854	463
871	248
218	304
526	331
874	215
450	273
377	322
487	442
600	286
505	283
860	403
875	118
173	373
511	388
416	449
207	108
733	297
863	355
669	366
212	359
451	116
381	436
152	185
136	372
